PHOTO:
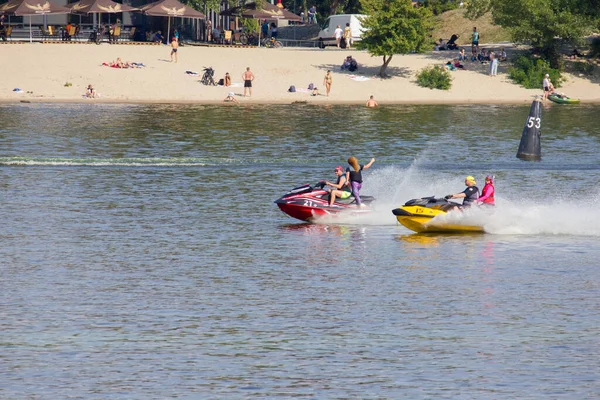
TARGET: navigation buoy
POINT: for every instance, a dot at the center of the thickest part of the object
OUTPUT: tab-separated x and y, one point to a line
530	147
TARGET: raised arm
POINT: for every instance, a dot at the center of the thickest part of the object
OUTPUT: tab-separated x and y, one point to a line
369	164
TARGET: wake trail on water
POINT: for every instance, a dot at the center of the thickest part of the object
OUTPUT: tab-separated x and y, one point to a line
393	186
104	162
137	161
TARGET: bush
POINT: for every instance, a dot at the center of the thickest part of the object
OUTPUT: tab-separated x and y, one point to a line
438	7
434	77
584	68
529	72
250	24
595	47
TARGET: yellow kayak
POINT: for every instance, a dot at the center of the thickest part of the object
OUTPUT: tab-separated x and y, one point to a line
419	215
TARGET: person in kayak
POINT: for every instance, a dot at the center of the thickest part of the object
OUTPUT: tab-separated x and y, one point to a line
469	195
487	194
340	188
355	177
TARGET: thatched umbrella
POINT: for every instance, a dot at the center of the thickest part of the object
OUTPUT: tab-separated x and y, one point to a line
32	7
170	8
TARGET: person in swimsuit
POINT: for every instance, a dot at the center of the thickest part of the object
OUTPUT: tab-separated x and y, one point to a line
372	102
248	77
327	82
174	47
227	80
230	98
355	177
469	195
340	188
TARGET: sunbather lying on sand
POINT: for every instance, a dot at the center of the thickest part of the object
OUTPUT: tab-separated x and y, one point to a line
123	64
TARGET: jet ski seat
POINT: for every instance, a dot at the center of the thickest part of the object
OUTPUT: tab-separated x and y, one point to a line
351	199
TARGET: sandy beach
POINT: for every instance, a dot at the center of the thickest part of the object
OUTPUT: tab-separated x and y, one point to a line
42	70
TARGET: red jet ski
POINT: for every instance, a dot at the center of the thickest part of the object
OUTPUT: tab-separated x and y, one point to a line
306	203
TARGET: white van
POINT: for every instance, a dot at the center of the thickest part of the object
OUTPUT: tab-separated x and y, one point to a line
327	33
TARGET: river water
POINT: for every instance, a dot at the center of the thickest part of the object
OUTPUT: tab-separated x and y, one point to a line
143	257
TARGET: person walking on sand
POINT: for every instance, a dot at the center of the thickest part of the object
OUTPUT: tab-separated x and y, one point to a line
347	35
174	47
327	82
338	36
248	77
371	102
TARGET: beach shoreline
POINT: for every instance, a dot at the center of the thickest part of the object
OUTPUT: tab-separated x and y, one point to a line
49	73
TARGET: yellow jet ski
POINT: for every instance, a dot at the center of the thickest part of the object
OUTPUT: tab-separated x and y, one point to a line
419	215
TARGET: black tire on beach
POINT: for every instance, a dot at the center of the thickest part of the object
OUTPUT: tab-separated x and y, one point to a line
244	39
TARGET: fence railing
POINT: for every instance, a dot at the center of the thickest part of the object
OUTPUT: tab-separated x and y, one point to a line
299	43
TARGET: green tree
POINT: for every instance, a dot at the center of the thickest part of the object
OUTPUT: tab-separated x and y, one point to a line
394	27
541	22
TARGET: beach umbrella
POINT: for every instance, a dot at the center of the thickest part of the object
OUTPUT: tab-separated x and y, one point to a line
32	7
99	7
264	11
170	8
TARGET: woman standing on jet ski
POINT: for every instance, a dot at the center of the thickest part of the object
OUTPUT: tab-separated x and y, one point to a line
355	177
470	195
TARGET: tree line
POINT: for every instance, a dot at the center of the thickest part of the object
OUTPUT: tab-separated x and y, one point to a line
400	27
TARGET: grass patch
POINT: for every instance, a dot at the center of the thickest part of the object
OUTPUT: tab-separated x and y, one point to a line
434	77
583	67
454	21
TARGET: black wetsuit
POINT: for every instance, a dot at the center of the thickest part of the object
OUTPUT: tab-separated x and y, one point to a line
472	194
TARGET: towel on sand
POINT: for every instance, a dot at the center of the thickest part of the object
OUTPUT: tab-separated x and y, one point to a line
359	78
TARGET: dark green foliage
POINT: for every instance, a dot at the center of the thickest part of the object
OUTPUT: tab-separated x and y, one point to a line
529	71
542	23
439	6
595	47
434	77
250	24
394	27
584	67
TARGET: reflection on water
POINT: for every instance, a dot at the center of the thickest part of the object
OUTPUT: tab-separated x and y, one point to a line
143	257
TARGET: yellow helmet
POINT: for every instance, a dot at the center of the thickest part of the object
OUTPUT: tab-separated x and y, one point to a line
470	179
